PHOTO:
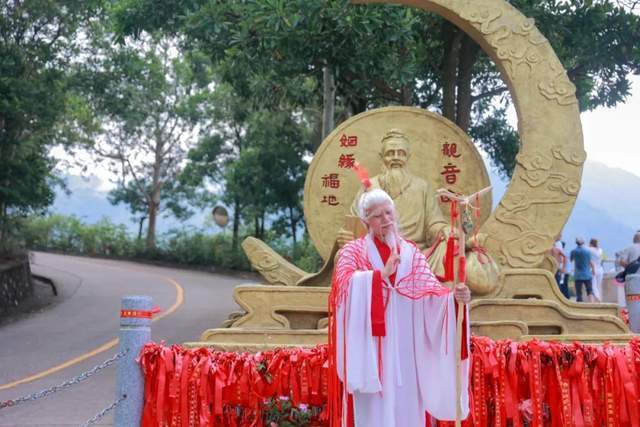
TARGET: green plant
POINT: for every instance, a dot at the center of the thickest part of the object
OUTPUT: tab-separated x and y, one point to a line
280	412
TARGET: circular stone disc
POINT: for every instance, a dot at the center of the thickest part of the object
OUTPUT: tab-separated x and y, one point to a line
441	153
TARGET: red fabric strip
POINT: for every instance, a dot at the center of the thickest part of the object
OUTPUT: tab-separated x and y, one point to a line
378	326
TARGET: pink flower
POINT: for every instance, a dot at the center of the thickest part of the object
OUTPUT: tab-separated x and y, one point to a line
303	407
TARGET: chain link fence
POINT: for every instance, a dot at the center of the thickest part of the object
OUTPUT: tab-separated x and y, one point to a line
75	380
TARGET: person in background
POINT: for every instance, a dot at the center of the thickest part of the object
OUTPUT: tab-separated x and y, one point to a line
566	276
632	268
598	271
630	253
583	270
557	252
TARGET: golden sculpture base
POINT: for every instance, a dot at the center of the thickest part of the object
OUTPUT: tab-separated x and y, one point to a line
527	305
253	340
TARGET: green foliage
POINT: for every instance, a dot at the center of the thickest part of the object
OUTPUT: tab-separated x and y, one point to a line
280	412
37	41
185	246
254	158
219	101
597	41
272	53
70	234
147	103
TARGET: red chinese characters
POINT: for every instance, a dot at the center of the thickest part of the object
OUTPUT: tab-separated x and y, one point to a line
346	161
450	150
330	200
348	141
450	173
331	180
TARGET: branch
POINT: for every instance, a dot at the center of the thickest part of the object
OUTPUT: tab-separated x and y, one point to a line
138	183
386	90
629	4
489	93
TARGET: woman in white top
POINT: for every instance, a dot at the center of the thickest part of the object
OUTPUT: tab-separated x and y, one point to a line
596	259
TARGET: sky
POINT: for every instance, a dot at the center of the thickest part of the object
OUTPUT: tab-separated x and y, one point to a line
612	135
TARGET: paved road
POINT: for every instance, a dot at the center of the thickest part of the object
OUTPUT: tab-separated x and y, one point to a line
85	318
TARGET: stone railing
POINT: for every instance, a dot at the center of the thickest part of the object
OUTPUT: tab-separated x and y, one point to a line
15	283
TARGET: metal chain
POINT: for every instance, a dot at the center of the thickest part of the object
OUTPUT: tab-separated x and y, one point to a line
104	412
75	380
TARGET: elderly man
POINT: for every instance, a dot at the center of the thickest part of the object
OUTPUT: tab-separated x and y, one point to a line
419	217
392	329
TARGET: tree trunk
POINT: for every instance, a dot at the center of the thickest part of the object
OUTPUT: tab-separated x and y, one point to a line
256	227
4	211
3	228
328	101
236	225
468	56
156	188
406	93
151	228
452	38
358	105
293	221
140	227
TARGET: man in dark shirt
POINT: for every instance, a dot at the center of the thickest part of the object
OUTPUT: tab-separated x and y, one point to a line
583	270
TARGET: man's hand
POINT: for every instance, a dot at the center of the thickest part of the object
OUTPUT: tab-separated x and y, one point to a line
344	237
391	265
462	294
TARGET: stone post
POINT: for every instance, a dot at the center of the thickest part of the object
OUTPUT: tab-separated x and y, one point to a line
135	331
632	291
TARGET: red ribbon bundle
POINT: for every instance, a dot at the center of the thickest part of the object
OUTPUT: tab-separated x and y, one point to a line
545	383
202	387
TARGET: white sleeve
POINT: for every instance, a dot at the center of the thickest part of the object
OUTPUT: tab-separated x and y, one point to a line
353	327
436	357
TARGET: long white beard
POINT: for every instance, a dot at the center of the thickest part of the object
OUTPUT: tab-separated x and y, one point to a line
393	180
391	237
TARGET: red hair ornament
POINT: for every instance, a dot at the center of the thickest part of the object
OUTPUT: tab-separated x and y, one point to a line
363	175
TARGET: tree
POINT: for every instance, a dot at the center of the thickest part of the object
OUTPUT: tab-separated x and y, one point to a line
275	156
253	158
146	101
384	55
174	200
37	41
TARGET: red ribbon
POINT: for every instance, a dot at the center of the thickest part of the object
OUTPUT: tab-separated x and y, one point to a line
552	383
140	314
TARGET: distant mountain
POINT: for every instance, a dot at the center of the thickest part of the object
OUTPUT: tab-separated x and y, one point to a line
88	201
607	207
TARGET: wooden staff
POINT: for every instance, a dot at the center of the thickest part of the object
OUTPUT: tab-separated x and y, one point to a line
462	202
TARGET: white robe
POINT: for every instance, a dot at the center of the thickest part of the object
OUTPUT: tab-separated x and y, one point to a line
418	353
